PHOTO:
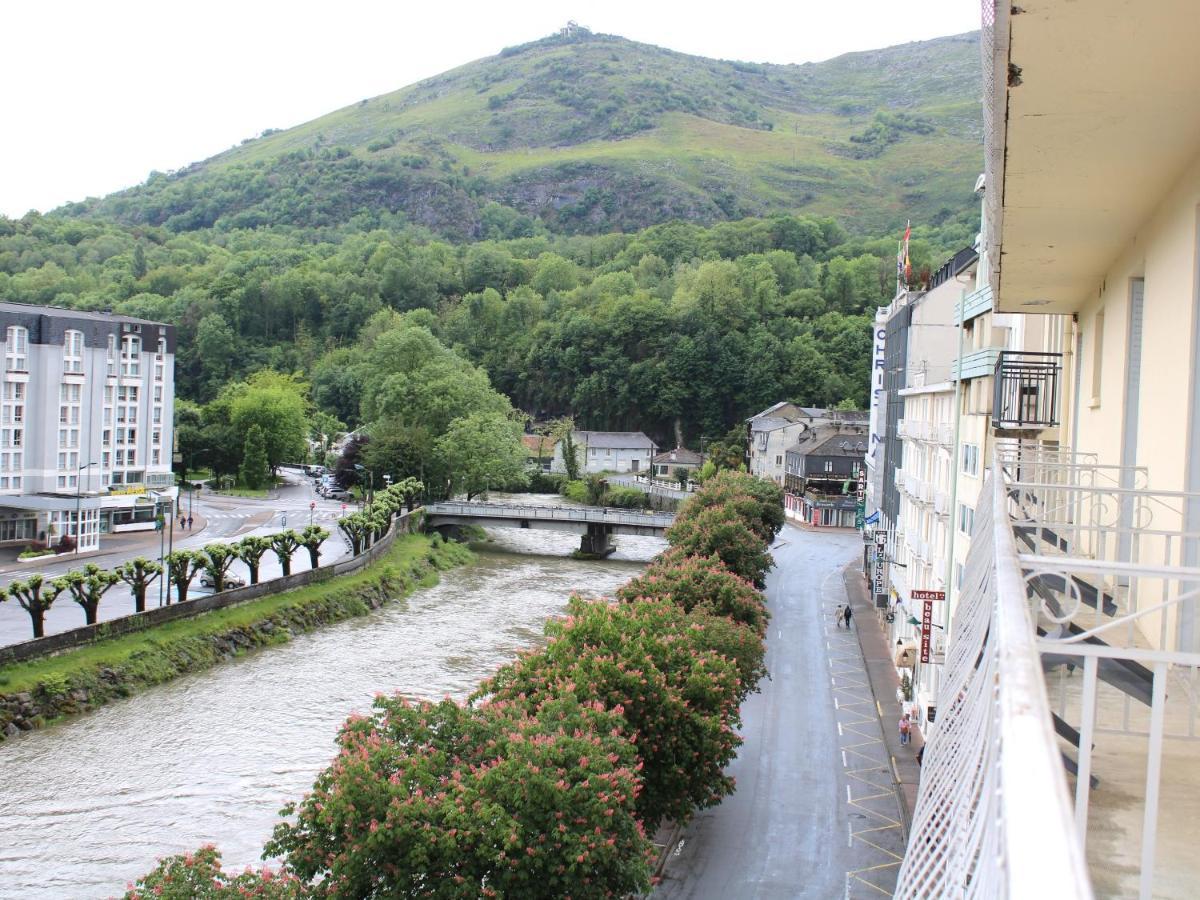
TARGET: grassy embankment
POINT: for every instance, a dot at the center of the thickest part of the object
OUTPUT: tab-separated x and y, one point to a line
38	691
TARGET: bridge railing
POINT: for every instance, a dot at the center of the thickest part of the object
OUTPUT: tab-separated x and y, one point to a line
552	513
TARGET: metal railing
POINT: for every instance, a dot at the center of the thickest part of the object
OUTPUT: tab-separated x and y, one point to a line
993	817
550	513
1026	389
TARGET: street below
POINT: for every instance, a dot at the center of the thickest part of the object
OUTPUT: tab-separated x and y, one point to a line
815	812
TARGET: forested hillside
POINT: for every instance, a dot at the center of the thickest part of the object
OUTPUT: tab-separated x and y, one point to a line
592	133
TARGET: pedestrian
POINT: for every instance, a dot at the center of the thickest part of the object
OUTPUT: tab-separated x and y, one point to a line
921	755
905	728
839	614
189	523
848	615
182	523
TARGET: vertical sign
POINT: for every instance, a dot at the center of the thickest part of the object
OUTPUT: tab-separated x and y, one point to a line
929	597
879	578
860	497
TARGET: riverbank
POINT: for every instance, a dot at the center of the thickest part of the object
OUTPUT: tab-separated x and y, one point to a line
38	692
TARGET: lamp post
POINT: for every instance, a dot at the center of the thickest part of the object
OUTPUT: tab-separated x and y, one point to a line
170	536
79	502
371	476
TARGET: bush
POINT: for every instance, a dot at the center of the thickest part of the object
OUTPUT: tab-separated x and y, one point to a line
703	584
575	491
758	501
498	800
546	482
721	531
198	876
625	498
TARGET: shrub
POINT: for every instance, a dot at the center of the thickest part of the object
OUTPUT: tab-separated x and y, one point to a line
198	876
758	501
722	531
647	661
575	491
498	800
625	498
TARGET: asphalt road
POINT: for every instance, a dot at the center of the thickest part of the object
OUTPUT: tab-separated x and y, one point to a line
814	814
227	519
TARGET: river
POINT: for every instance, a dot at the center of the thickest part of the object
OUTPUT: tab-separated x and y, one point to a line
90	804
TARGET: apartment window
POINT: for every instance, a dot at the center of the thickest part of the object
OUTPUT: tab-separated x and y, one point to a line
593	451
608	451
131	356
16	348
112	355
155	457
157	415
966	518
156	436
162	348
1097	357
73	352
970	459
779	460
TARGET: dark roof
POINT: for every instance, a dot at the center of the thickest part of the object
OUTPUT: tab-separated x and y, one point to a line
615	440
680	455
62	312
841	445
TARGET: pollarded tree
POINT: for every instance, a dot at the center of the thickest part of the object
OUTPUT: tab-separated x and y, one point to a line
644	660
723	531
87	586
284	544
498	800
355	527
36	596
311	538
139	574
251	550
699	583
216	560
182	567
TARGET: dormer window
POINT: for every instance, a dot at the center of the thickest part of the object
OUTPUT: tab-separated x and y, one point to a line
73	352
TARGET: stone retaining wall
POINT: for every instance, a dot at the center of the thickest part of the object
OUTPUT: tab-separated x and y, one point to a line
87	634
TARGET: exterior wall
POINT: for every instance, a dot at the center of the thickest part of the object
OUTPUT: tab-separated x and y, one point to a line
768	450
604	459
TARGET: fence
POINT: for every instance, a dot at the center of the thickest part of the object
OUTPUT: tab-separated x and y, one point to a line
87	634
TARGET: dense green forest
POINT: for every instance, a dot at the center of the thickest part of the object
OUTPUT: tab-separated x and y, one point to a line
674	323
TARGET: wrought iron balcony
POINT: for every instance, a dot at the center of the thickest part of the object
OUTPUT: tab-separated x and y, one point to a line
1026	390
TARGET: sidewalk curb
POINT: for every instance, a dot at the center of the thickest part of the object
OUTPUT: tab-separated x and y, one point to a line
881	675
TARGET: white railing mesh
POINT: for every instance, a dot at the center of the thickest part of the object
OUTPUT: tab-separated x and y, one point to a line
993	818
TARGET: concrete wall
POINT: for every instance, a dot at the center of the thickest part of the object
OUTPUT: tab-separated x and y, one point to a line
77	637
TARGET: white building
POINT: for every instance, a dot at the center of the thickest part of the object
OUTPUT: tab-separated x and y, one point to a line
773	431
86	424
608	451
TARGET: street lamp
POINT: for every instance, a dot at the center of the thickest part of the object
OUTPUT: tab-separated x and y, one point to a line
371	475
79	502
162	531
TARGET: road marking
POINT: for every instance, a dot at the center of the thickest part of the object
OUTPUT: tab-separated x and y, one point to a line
845	765
849	836
839	729
849	799
781	634
835	703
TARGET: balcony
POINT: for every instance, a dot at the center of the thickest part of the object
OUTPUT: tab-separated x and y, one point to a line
941	503
1069	712
975	304
1025	392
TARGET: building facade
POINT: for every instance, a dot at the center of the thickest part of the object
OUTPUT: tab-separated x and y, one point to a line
821	476
678	462
86	424
771	432
608	451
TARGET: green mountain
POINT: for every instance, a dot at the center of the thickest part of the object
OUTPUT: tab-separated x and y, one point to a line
591	133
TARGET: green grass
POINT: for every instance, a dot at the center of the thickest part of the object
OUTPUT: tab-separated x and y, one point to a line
405	552
259	493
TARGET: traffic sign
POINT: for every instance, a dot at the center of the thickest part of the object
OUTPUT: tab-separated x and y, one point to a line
312	504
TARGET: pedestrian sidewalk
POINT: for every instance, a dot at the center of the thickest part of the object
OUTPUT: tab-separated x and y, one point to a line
885	684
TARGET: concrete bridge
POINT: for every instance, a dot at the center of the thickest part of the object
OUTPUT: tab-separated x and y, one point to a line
596	525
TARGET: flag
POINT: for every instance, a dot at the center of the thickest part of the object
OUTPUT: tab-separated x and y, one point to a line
907	261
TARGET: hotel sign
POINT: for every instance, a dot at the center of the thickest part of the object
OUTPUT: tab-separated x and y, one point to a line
928	598
860	497
879	575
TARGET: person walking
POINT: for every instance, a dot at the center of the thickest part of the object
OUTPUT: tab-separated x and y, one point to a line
189	523
839	614
848	615
182	523
905	729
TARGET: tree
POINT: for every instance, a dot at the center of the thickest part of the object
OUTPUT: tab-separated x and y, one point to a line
284	544
254	469
139	574
87	586
199	876
483	450
757	501
182	567
216	560
250	550
495	800
703	584
355	527
276	403
721	531
642	659
311	539
730	451
564	432
36	596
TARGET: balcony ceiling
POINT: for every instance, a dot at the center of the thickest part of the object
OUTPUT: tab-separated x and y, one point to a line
1105	118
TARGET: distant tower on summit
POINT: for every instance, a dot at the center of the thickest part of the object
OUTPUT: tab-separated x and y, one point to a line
573	29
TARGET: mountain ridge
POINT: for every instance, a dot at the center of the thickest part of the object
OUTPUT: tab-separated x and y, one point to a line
591	133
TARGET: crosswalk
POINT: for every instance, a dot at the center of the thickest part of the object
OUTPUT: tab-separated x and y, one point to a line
323	515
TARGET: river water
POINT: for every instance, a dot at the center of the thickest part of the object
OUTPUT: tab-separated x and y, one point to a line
89	805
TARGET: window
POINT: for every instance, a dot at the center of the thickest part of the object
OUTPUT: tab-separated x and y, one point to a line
162	348
966	518
158	393
73	352
131	356
779	460
593	451
16	347
155	457
112	356
970	459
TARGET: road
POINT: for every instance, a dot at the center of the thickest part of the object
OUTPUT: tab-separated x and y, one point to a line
815	813
227	519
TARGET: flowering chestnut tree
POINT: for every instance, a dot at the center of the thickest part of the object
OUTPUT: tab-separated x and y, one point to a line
699	583
722	531
757	501
198	876
645	660
496	800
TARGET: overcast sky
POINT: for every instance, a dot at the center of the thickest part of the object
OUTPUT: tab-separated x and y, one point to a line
97	94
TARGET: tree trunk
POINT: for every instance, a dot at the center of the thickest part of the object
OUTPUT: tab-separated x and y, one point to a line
285	563
38	617
253	567
89	611
181	589
139	598
314	555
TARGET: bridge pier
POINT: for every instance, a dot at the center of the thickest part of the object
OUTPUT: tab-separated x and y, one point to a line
597	543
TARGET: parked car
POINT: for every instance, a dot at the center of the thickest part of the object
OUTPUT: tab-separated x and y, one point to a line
339	494
231	580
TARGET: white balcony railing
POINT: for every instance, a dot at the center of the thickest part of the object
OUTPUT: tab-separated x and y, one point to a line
941	503
993	818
